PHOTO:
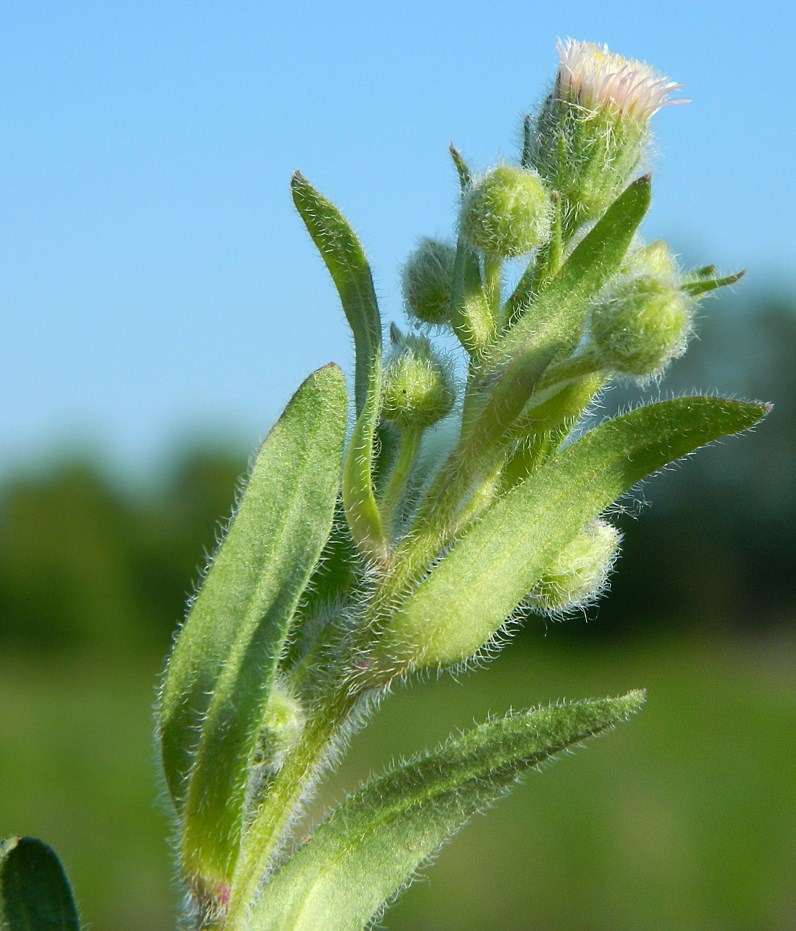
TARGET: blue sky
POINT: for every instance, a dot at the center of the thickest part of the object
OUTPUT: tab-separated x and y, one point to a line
154	280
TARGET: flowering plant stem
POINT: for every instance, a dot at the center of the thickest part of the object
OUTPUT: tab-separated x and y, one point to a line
467	497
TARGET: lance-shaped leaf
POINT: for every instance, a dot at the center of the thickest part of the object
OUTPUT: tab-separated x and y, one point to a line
472	318
359	492
551	324
343	255
371	847
34	892
526	159
698	284
217	681
464	601
462	169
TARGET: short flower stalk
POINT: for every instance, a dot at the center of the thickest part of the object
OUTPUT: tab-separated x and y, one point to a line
470	495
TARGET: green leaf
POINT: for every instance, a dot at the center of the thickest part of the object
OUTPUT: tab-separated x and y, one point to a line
217	682
594	260
359	492
371	847
699	284
465	175
472	318
526	158
464	601
343	255
550	326
34	892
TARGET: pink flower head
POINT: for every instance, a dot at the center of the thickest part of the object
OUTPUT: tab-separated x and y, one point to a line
593	77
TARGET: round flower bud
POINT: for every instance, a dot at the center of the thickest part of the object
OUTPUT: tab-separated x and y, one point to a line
579	572
418	388
508	212
641	325
426	282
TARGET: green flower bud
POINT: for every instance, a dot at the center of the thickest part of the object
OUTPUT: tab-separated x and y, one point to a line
579	572
507	213
426	282
282	728
418	388
654	259
641	325
592	131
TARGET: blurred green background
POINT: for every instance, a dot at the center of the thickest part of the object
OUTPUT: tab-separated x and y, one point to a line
684	818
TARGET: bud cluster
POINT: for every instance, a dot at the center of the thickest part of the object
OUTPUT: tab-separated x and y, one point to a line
558	210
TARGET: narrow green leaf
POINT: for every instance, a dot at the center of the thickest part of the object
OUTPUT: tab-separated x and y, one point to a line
371	847
543	428
472	591
331	581
343	255
34	892
217	681
465	176
472	318
552	256
526	159
359	491
702	285
550	326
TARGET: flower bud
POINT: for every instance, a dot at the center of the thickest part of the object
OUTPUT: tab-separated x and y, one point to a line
641	325
426	282
592	131
579	572
418	388
282	727
654	259
507	213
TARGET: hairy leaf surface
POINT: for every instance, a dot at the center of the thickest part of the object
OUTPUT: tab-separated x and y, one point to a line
218	678
550	324
343	255
469	595
370	848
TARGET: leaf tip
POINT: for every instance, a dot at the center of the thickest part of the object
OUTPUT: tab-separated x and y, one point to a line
634	701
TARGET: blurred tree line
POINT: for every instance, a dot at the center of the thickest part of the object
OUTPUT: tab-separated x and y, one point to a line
85	563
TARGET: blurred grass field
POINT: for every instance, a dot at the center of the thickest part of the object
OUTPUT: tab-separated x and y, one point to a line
683	818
